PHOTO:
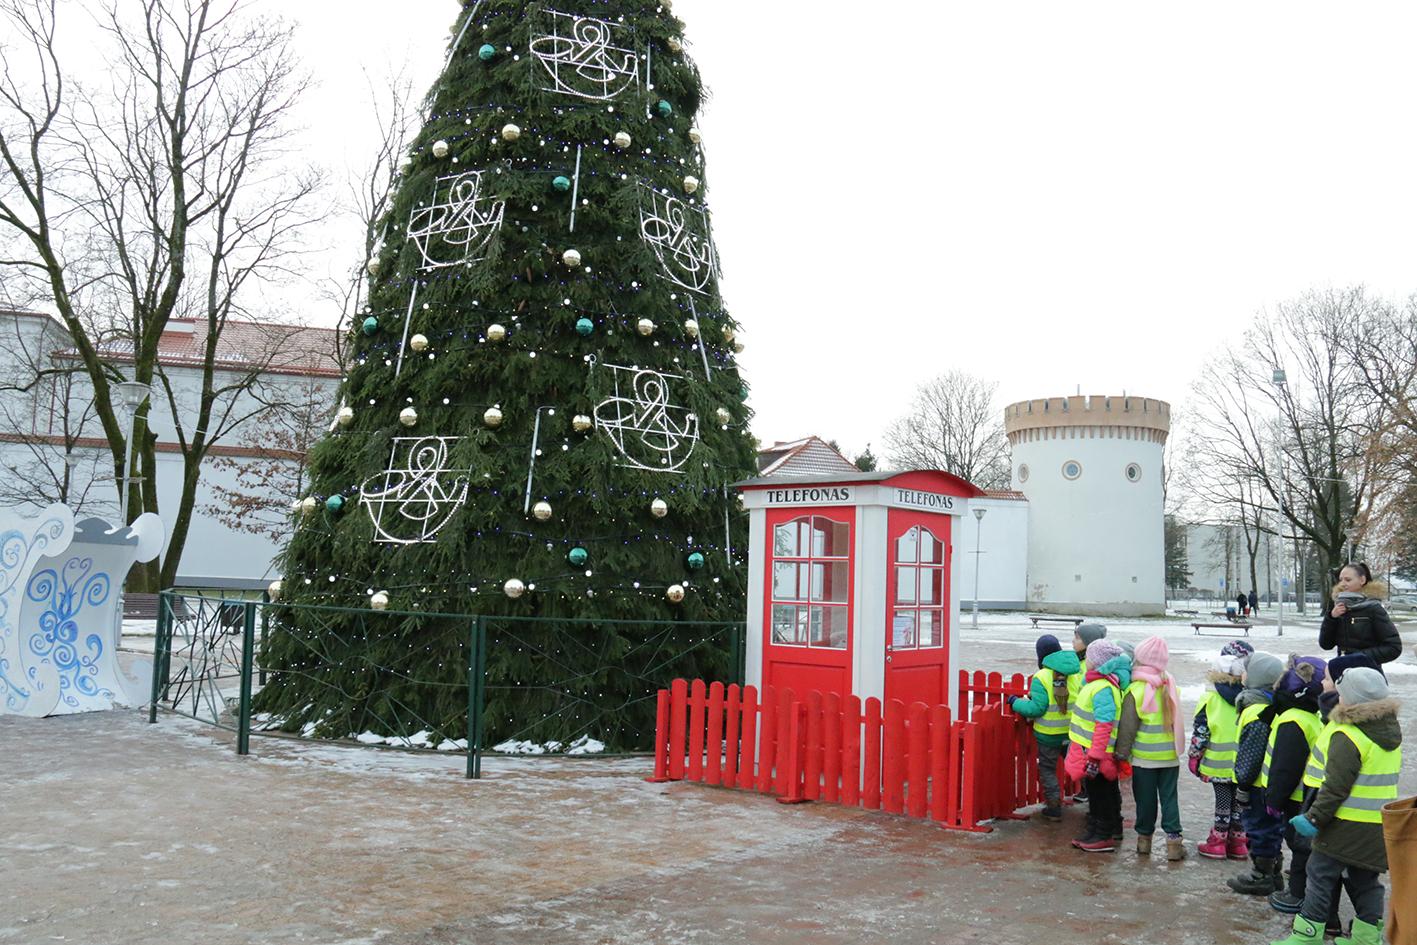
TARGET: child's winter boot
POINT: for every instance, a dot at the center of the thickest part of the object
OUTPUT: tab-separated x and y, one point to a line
1262	879
1237	845
1215	845
1362	934
1143	844
1305	933
1286	902
1175	849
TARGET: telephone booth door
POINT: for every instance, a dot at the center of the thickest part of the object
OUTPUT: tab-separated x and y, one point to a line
917	607
807	621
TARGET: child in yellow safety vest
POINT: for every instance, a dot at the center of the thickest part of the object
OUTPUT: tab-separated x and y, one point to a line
1048	703
1357	760
1152	737
1092	737
1264	832
1291	736
1215	735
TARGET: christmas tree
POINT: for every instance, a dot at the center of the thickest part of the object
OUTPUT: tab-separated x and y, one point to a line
542	409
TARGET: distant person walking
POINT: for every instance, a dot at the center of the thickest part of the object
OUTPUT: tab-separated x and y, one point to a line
1242	604
1254	602
1358	623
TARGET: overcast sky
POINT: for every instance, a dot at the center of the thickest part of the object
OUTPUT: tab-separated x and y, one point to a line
1047	194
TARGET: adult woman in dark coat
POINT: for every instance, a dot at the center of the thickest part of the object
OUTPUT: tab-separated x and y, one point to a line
1358	623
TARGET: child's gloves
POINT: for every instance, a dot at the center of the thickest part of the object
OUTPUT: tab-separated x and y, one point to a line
1304	826
1013	700
1124	770
1242	797
1195	765
1092	768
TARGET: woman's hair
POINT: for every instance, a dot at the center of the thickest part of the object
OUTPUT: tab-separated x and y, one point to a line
1365	571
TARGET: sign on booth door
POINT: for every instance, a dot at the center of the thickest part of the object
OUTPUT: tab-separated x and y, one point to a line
918	607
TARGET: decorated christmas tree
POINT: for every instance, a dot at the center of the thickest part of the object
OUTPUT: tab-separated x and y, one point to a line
542	409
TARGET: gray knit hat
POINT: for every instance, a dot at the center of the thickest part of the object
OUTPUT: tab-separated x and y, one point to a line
1090	632
1263	671
1360	684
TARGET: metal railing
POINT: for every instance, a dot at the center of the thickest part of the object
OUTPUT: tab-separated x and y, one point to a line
215	656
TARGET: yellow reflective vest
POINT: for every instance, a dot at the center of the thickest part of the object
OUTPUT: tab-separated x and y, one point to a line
1311	725
1218	760
1155	746
1083	722
1376	783
1055	720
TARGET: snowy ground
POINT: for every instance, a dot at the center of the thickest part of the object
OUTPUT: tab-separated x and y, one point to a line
114	832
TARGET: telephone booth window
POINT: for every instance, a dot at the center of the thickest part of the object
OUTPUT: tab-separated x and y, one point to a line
810	582
919	591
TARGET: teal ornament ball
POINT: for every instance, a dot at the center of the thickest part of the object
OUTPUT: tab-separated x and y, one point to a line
371	325
335	504
585	327
696	561
578	557
743	394
487	53
665	108
562	183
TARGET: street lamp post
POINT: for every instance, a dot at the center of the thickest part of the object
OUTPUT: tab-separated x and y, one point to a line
1280	379
978	550
131	395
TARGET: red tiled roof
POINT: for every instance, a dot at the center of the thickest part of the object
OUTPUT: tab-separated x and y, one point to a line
1010	494
805	457
275	348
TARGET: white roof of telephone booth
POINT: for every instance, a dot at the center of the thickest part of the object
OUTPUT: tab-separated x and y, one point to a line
946	480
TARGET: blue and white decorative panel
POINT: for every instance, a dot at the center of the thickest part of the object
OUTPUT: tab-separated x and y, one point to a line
65	639
26	688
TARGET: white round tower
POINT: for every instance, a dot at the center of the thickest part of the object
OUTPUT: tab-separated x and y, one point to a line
1091	468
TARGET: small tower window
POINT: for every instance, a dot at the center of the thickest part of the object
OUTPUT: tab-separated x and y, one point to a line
1072	469
1023	472
1133	472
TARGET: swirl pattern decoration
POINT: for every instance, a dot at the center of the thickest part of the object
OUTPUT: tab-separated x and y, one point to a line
579	56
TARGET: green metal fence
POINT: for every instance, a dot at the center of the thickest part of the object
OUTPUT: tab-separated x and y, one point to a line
209	665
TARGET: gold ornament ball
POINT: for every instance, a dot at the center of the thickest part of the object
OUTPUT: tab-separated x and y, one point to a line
405	163
511	132
645	327
440	148
373	266
691	328
738	347
659	508
308	505
571	258
345	416
418	343
493	417
675	45
696	136
623	140
514	588
542	511
675	594
723	415
408	416
496	333
728	333
273	589
691	184
379	601
297	506
581	423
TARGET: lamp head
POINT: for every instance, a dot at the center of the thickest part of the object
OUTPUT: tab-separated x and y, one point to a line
131	394
979	513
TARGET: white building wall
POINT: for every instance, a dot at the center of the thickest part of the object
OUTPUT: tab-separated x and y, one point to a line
1096	542
1003	567
214	555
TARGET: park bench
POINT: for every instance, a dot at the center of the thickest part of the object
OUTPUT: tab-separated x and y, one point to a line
1037	619
1187	613
139	606
1198	627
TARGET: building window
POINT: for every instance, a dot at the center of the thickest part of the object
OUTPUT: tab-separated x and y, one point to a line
918	621
1133	472
1023	472
811	579
1072	469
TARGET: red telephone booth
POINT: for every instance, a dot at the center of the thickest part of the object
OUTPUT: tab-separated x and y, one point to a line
853	584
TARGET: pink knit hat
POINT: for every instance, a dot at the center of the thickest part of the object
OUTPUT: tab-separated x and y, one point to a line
1152	652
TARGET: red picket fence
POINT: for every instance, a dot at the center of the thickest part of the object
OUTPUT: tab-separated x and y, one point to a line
913	760
982	689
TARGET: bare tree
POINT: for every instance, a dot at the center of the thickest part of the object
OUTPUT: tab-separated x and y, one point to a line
1298	446
171	192
954	424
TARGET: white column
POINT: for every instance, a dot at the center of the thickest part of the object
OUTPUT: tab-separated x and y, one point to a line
759	552
869	603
